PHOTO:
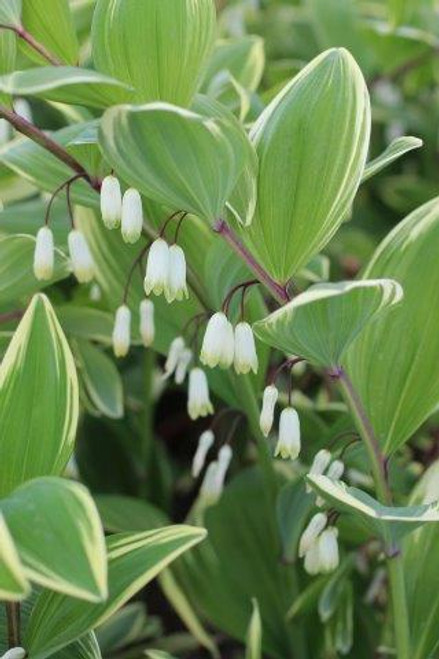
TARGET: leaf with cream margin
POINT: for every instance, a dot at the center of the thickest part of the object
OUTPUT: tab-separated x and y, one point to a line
393	364
176	157
39	401
320	324
389	523
312	142
159	47
134	559
13	583
67	84
10	12
59	537
396	149
51	23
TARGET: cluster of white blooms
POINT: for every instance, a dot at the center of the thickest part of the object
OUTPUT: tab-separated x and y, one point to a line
166	271
126	211
122	327
44	256
14	653
288	443
322	465
213	482
224	346
319	546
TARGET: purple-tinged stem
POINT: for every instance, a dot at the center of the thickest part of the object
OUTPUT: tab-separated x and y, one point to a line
277	290
24	35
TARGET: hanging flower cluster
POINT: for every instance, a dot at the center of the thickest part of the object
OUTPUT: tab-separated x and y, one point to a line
289	442
224	346
81	259
318	546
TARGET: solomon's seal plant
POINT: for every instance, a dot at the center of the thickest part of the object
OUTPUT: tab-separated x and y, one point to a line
218	335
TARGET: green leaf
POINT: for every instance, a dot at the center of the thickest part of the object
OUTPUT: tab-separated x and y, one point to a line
393	364
38	399
123	628
175	156
101	379
86	323
58	534
85	648
389	523
158	47
293	507
320	324
158	654
243	57
254	634
51	23
10	11
395	150
121	514
134	560
13	583
66	84
312	142
17	277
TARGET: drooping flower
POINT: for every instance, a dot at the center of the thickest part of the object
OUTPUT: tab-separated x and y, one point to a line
82	260
175	349
205	443
269	401
312	559
15	653
336	470
212	486
311	533
111	202
147	326
183	365
157	268
199	404
225	455
319	465
288	445
122	331
132	216
328	550
176	287
218	343
246	358
44	255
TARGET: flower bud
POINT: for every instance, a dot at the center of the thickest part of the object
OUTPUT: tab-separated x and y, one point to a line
336	470
311	533
174	352
111	202
147	327
176	287
312	560
132	216
246	358
288	445
224	458
199	404
319	465
157	268
122	331
269	401
82	260
14	653
44	255
328	550
219	342
183	365
212	486
205	443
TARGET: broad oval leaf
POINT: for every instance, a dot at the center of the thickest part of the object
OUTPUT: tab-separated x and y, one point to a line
59	537
133	561
51	23
393	364
176	157
158	47
38	399
67	84
312	142
320	324
17	277
13	583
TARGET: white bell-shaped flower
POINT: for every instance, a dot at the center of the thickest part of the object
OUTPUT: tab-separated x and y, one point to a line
218	347
122	331
176	287
199	404
311	533
205	443
288	445
269	400
312	559
82	260
212	486
183	364
132	216
157	267
14	653
44	255
147	325
246	358
336	470
175	349
111	202
319	465
225	455
328	550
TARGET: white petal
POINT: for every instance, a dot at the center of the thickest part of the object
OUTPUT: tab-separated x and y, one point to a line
175	349
183	365
218	342
199	404
111	202
246	358
44	256
328	550
288	445
132	216
82	260
147	326
269	401
176	287
157	267
14	653
122	331
205	443
336	470
311	533
312	560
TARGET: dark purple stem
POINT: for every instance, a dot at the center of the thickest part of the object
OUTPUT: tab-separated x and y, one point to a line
24	35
